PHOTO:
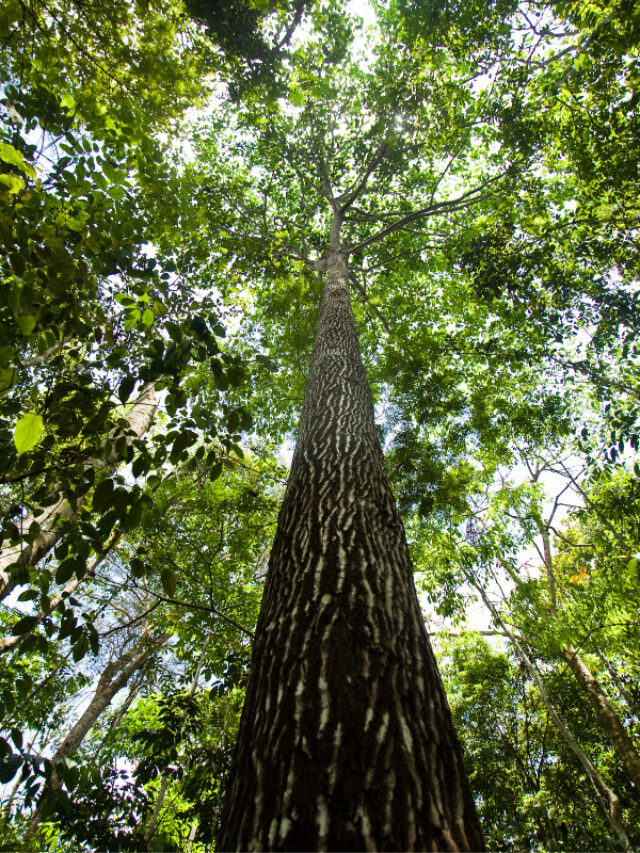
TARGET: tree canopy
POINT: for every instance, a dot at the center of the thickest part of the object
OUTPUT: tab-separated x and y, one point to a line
169	176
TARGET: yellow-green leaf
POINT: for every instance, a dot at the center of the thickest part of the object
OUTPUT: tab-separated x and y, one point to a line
67	100
11	155
27	323
28	432
11	184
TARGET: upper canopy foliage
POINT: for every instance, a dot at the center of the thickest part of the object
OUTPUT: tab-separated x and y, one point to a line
169	171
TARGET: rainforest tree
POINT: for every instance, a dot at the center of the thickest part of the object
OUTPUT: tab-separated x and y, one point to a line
434	200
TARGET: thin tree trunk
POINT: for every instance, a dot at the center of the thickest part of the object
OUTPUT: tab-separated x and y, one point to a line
19	557
346	740
548	565
155	814
162	791
623	693
114	677
589	685
605	712
597	698
606	795
192	835
10	642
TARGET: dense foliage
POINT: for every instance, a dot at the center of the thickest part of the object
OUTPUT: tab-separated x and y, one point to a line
165	179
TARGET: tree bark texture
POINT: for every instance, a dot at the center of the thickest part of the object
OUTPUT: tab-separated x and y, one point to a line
346	740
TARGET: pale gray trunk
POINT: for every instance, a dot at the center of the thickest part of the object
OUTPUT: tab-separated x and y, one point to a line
605	712
114	677
51	519
155	814
548	565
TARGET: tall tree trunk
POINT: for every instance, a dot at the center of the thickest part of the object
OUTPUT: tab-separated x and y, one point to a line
15	559
587	682
114	677
346	740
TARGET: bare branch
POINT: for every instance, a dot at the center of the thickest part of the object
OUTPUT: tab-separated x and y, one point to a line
465	200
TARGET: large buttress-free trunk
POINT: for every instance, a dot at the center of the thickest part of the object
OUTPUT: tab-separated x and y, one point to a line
346	740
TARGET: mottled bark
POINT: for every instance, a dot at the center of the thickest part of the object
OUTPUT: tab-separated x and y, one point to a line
346	740
15	559
605	712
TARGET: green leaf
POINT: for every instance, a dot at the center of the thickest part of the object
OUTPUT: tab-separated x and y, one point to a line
11	155
137	567
24	625
28	432
126	387
68	101
133	515
120	502
27	323
125	300
183	441
11	184
81	648
102	495
168	580
140	465
66	570
73	223
9	767
7	378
